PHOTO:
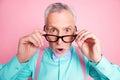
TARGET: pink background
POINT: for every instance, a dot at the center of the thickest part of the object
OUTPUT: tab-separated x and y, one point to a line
21	17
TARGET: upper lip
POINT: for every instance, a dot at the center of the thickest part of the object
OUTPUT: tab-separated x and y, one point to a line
59	48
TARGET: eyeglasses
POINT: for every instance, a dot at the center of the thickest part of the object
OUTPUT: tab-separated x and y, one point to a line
55	38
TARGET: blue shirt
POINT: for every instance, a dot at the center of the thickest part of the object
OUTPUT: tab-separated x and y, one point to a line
67	67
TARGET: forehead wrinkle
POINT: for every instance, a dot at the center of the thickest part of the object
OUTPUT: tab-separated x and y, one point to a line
69	26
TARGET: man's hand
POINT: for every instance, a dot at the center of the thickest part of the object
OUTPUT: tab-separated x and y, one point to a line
29	44
89	44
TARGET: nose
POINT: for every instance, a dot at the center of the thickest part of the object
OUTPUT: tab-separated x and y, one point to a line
60	41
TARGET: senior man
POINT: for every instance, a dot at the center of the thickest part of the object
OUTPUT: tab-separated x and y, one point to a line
60	60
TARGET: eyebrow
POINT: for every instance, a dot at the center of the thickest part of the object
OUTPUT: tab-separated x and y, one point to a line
67	27
51	27
63	27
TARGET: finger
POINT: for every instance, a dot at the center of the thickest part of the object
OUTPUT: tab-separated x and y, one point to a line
36	38
39	31
39	34
40	38
32	41
42	32
81	34
88	37
78	33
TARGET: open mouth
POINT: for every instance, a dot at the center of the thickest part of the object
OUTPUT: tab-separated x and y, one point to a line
59	50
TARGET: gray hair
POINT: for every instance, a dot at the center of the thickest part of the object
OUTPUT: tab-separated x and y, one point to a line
57	7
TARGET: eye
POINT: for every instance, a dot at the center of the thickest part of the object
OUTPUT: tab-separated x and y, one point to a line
67	30
53	30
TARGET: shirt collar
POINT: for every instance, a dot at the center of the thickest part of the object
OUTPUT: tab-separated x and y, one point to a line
66	56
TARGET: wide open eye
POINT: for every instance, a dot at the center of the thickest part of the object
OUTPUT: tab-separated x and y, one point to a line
53	30
68	30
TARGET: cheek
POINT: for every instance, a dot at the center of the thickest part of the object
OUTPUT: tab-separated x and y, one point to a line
52	45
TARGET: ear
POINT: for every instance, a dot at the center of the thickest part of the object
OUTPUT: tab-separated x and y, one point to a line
44	28
75	28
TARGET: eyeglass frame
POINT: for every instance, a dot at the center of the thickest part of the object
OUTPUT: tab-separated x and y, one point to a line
45	35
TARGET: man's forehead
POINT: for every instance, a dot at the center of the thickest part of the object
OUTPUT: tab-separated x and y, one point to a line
64	19
64	16
60	26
